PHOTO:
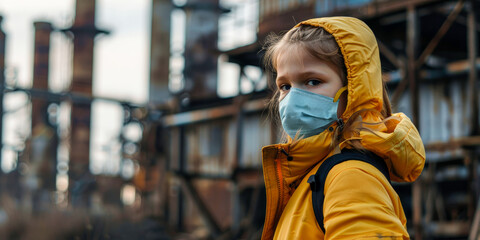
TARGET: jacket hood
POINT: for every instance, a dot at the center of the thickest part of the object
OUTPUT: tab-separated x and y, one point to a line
362	61
396	140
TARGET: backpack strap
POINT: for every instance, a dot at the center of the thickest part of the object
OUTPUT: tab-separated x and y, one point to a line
317	181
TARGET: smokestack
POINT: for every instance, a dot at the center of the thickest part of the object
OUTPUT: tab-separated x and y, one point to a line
84	32
42	156
40	70
201	52
160	51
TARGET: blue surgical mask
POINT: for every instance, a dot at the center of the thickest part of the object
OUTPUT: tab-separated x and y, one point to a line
307	113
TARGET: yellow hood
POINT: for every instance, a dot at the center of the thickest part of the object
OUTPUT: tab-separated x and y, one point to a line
397	141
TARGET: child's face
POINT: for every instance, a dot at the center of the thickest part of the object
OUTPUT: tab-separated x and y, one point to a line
296	68
299	69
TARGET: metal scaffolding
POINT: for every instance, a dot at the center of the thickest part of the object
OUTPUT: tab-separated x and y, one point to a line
421	47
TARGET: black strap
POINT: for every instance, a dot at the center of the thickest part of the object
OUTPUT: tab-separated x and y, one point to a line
317	181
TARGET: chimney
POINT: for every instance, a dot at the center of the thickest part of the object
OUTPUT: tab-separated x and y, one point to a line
201	52
84	32
45	156
160	51
40	70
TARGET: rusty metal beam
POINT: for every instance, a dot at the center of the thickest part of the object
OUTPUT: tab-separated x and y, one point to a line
398	62
389	54
472	77
463	21
377	8
214	228
239	122
245	226
440	33
401	86
65	96
412	44
2	93
472	165
181	165
475	227
454	144
453	228
417	209
204	176
472	40
431	192
461	66
211	113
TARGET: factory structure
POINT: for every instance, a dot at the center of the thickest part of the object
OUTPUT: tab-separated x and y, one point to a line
198	170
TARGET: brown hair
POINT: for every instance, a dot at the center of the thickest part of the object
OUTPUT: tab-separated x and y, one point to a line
322	45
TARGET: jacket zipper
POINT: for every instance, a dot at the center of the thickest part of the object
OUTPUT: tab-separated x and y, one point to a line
279	174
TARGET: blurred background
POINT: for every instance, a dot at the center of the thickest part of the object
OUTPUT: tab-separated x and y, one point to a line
145	119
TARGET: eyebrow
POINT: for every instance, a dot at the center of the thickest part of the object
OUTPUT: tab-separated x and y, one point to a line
306	74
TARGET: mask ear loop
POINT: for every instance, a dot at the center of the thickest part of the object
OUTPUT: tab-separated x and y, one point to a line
339	92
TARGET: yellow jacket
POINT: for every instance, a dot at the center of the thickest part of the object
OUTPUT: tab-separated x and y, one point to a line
359	202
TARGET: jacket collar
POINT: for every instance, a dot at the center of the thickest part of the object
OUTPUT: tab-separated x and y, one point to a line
284	167
300	156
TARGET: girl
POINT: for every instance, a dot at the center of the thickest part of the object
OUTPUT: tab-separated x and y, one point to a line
330	97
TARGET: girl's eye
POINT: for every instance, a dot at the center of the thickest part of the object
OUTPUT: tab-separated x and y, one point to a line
313	82
285	87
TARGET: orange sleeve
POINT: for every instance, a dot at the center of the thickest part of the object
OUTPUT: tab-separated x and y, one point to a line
361	204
